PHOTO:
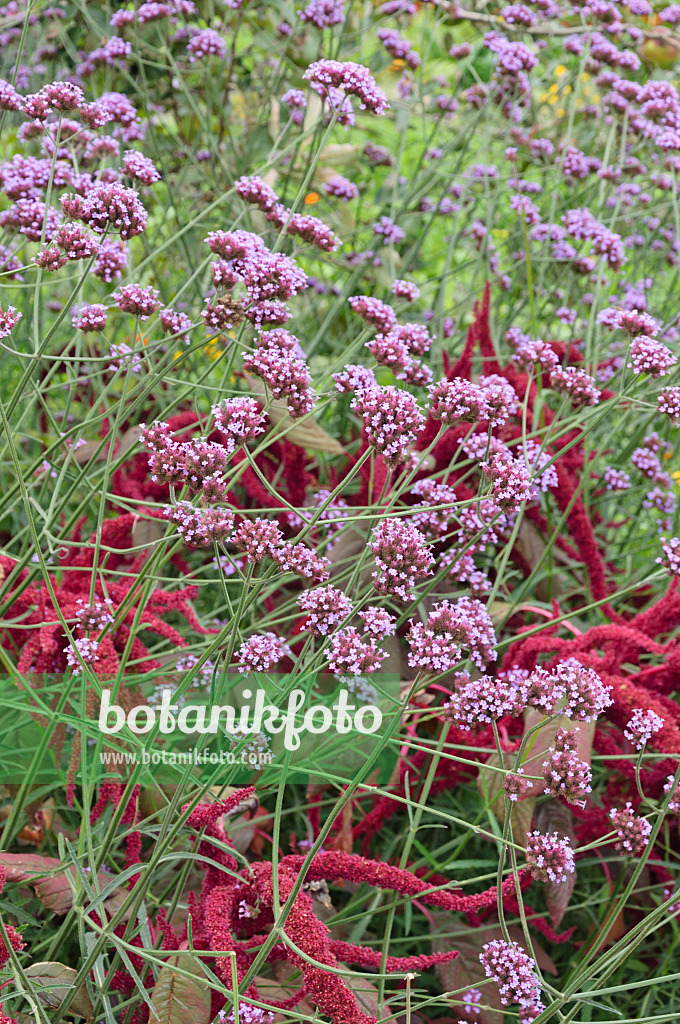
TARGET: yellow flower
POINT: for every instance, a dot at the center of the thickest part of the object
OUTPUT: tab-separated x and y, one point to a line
560	70
213	349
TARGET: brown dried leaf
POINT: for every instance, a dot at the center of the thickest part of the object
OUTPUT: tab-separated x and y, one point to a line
50	880
178	999
53	981
128	440
146	532
88	451
307	433
338	153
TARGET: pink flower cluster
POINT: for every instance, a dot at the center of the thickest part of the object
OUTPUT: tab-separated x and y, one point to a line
513	971
632	831
549	857
402	557
391	420
349	79
564	773
436	643
642	726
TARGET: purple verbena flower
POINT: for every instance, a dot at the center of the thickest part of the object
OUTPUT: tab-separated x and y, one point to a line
549	857
513	971
402	557
633	832
642	726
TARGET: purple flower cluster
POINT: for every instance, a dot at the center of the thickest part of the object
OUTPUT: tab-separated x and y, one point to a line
349	79
632	831
513	971
402	557
436	643
262	651
493	399
549	857
351	654
85	652
642	726
200	527
326	608
111	206
486	699
576	383
391	420
323	13
132	298
284	373
311	229
564	773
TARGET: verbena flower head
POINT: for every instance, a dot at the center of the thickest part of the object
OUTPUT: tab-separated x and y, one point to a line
576	383
406	290
85	652
642	726
351	80
378	623
351	654
648	355
402	557
633	832
511	481
391	420
354	378
577	691
240	419
90	319
258	538
9	318
515	785
671	555
674	789
549	857
136	165
200	527
285	375
113	207
375	312
132	298
326	608
668	403
111	260
341	187
616	479
484	700
262	652
206	43
564	773
301	560
323	13
513	971
435	645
